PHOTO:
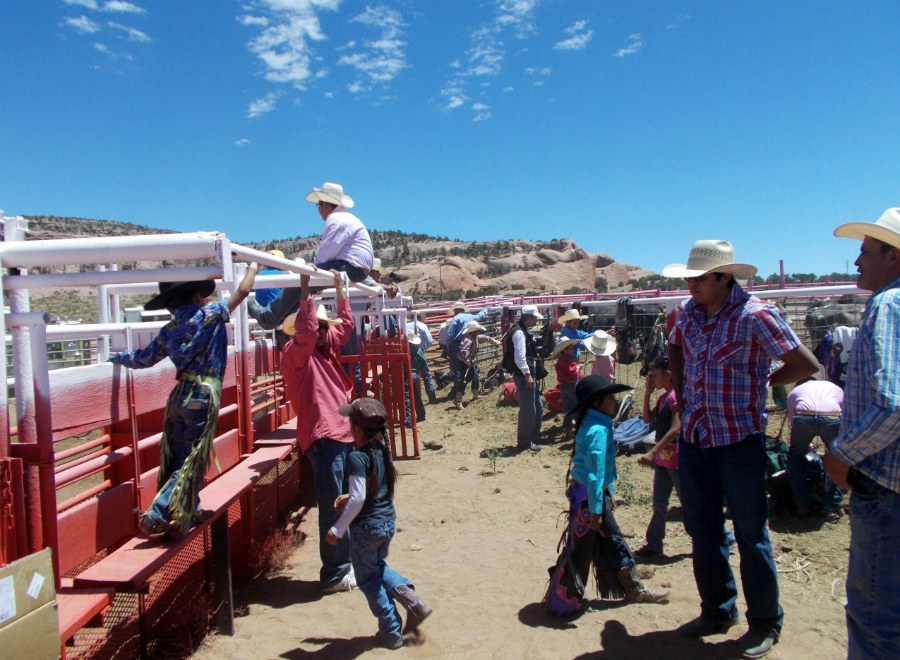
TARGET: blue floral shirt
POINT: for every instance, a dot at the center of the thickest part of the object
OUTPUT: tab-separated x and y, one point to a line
196	340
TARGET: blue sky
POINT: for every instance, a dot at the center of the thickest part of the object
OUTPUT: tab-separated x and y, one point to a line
634	127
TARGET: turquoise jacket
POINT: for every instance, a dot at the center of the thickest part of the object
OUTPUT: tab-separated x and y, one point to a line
594	460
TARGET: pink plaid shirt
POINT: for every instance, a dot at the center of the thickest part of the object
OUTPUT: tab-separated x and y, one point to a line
726	366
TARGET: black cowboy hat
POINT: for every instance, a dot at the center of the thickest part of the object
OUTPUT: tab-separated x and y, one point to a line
593	387
168	290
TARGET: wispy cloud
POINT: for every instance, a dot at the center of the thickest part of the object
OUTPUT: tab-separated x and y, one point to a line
384	57
87	4
83	24
131	33
262	105
633	47
487	54
580	36
124	7
284	46
243	142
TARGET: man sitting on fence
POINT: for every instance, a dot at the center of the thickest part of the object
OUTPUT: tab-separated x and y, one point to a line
196	340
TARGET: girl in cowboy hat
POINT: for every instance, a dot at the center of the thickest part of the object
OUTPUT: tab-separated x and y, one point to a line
368	511
592	535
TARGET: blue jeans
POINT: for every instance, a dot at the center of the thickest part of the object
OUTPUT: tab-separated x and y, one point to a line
428	381
567	392
417	399
369	544
329	460
664	480
354	273
458	369
873	575
803	429
736	472
531	410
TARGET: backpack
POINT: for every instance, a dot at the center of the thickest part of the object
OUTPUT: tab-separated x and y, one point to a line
626	349
545	343
554	400
508	394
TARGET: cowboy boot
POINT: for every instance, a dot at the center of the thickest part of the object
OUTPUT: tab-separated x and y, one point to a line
635	591
418	611
457	400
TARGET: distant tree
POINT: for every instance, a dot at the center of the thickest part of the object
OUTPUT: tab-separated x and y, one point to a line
573	289
601	285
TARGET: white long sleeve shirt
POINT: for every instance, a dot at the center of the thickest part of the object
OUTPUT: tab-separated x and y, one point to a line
346	238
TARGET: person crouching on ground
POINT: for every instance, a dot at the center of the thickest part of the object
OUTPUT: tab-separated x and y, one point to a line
196	340
592	534
368	511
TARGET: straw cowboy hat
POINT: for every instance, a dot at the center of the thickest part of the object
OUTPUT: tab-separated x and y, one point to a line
289	325
562	345
413	337
168	290
277	253
590	388
474	326
459	306
600	343
710	256
886	229
571	315
332	193
376	265
532	310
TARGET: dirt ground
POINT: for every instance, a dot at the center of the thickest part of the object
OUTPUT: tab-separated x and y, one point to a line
478	526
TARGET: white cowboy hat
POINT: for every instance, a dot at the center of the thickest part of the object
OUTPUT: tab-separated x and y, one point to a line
562	345
459	305
710	256
474	326
600	343
333	193
413	337
376	265
532	310
571	315
885	229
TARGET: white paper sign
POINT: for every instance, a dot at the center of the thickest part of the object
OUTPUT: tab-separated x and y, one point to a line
7	598
34	589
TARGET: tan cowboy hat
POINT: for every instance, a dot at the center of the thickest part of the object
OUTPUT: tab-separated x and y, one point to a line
571	315
600	343
413	337
277	253
459	305
289	325
885	229
474	326
376	265
333	193
562	345
710	256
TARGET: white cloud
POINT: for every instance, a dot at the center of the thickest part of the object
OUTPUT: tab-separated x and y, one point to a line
631	48
83	24
260	21
579	39
384	58
133	35
123	7
262	105
356	87
103	48
481	111
243	142
87	4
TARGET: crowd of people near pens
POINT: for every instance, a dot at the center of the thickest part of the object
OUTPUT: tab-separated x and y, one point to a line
726	348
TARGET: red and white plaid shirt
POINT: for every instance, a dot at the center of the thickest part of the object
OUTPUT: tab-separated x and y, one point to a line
726	366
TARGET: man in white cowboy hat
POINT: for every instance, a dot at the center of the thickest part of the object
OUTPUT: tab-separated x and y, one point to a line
378	271
720	353
317	386
865	456
345	244
521	359
571	324
455	329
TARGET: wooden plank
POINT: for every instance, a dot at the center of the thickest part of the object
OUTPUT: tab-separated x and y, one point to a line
94	525
78	607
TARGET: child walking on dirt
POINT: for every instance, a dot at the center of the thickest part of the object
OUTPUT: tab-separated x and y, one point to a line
368	511
196	340
592	535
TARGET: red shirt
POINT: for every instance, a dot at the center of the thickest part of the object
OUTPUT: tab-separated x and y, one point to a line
567	369
316	385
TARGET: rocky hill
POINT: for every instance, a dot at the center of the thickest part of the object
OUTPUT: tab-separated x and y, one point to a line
426	264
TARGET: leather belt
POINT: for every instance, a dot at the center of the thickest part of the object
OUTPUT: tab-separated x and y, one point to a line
816	413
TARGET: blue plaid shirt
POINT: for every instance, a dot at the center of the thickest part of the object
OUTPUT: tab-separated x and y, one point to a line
196	340
870	434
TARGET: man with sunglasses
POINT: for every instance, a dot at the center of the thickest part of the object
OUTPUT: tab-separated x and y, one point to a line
720	354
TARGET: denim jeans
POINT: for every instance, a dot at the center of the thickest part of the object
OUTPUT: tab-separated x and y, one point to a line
567	392
531	410
417	399
664	480
369	544
458	369
803	429
355	273
428	381
329	460
736	472
873	575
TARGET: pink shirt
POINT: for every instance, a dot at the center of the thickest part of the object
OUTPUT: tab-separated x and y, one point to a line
605	365
315	383
815	396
